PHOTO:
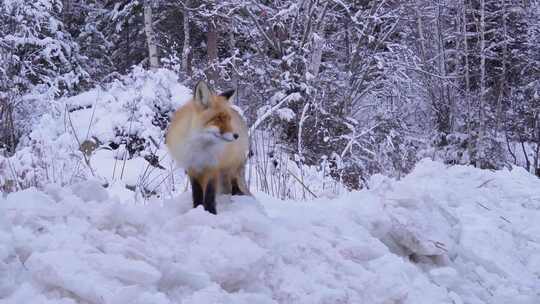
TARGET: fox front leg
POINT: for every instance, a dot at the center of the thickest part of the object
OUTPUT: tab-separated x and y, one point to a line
210	196
197	192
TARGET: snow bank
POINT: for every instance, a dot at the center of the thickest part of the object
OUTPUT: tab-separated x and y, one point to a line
110	133
440	235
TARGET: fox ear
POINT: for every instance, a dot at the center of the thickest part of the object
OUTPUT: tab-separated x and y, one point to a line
230	95
202	94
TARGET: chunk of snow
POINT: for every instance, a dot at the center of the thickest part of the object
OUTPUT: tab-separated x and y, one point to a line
439	235
285	114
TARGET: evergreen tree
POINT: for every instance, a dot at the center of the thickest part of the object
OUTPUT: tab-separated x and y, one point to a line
37	55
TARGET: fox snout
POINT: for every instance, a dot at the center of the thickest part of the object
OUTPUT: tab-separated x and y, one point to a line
228	136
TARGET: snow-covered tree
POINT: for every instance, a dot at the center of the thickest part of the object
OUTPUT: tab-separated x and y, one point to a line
38	55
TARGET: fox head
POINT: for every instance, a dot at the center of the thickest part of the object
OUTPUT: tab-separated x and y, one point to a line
216	112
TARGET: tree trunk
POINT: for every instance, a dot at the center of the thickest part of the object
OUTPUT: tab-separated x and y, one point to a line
525	155
150	36
502	83
316	55
482	124
231	42
430	87
537	139
186	49
66	12
467	77
8	139
445	108
212	51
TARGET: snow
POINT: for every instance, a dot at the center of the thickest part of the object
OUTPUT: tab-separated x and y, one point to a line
285	114
104	115
440	235
124	112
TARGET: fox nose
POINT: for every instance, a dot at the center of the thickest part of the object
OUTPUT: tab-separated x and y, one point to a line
235	135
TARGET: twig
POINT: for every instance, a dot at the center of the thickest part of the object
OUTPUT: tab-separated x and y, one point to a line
483	206
302	184
505	219
268	113
86	160
14	173
485	183
439	245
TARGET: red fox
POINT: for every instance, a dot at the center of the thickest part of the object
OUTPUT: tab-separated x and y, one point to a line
209	139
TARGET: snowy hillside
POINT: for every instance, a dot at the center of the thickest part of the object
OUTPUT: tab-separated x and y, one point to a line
440	235
106	134
115	134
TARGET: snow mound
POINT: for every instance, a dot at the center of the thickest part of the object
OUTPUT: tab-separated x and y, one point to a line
440	235
113	133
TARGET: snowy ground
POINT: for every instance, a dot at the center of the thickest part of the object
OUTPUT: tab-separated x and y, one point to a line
440	235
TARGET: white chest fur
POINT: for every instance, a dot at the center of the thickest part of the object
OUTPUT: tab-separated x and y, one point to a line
198	152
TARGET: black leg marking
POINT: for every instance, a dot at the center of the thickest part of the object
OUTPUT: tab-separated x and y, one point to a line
235	189
210	197
197	192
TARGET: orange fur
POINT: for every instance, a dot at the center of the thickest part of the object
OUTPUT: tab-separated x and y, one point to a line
201	139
